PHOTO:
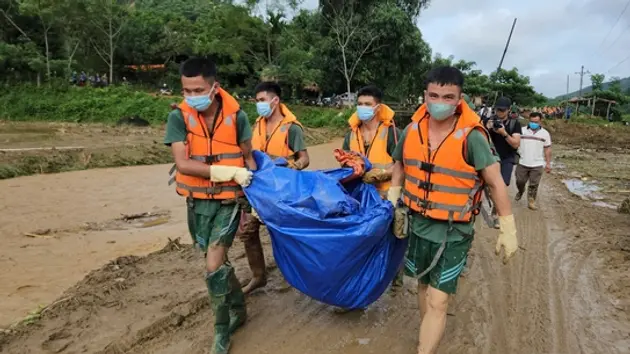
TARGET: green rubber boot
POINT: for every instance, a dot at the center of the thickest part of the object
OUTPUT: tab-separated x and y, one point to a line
219	287
238	310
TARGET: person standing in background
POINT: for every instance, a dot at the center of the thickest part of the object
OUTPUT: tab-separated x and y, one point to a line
535	152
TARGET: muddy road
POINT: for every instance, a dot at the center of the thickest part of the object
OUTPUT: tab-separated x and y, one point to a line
565	291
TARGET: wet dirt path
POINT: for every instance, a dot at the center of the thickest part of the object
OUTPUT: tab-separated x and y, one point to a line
545	301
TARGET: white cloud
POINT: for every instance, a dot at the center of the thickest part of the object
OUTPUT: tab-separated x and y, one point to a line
552	38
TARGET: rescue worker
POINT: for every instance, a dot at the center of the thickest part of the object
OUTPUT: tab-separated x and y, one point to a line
443	160
374	135
277	133
210	138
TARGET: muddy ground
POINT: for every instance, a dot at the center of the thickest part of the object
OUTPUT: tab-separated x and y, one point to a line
28	148
567	291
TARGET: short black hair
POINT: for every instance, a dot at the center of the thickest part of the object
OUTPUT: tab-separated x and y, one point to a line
268	86
371	90
445	75
198	66
536	114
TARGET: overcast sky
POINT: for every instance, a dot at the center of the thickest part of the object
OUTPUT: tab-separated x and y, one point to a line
552	38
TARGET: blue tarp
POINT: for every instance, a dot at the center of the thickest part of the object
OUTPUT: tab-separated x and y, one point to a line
332	242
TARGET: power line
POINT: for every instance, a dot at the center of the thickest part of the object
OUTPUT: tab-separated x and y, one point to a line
618	37
619	63
613	27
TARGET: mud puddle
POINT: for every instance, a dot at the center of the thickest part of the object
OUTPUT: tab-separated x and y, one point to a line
583	189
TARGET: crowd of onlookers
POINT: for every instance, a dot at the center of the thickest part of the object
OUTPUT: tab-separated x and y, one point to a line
516	112
94	80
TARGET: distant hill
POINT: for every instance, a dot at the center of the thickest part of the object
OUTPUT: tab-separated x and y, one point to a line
625	84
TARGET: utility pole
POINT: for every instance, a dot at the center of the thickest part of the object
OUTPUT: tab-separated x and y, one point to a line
506	46
568	86
582	73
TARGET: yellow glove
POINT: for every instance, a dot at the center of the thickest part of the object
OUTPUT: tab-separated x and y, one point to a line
401	223
507	237
295	165
393	195
376	175
401	220
239	175
256	216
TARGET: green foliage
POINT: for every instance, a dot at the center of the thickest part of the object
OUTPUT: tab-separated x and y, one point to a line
340	47
72	104
597	80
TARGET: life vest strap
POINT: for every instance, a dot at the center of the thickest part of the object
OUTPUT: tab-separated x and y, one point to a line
425	204
437	187
210	159
432	168
208	190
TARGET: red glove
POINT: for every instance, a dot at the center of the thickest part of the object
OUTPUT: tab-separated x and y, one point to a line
351	160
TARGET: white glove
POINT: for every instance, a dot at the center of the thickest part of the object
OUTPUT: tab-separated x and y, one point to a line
255	215
393	195
239	175
507	237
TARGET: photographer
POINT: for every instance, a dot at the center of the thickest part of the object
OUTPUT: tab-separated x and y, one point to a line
506	136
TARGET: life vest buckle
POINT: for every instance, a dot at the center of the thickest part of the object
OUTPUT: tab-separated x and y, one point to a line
425	185
428	167
210	159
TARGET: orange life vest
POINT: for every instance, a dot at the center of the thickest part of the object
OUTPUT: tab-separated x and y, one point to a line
277	145
377	152
219	147
440	184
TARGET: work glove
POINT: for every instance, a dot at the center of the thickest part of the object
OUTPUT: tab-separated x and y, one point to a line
255	215
376	175
239	175
393	195
507	237
295	165
351	160
401	220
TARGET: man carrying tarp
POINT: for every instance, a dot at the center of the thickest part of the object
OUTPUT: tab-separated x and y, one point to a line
277	133
210	138
374	135
443	161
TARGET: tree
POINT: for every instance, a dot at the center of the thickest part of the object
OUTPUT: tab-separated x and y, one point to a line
597	81
516	86
352	37
107	19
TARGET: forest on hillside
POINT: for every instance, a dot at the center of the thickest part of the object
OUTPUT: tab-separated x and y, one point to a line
336	48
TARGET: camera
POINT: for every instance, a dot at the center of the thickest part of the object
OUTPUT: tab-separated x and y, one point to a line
496	124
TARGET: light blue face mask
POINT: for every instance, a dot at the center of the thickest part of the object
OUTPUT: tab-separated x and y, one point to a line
534	126
199	103
441	111
264	109
365	113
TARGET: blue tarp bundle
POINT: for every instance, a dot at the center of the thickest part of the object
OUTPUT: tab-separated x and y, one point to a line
332	242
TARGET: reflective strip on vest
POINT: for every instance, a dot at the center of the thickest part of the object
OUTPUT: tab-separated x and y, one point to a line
438	187
208	190
425	204
215	158
431	168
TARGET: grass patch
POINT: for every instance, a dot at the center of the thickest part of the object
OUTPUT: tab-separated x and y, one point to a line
28	163
108	105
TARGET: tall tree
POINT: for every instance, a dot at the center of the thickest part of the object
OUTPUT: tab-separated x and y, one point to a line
107	19
597	81
352	37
